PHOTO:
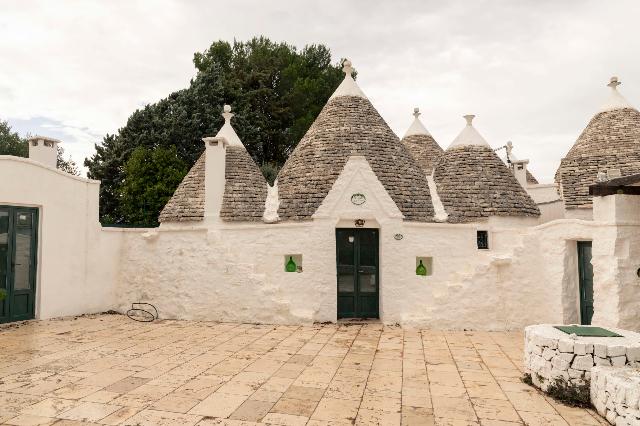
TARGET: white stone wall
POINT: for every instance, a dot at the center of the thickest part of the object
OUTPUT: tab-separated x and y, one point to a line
615	393
77	263
550	353
548	201
235	271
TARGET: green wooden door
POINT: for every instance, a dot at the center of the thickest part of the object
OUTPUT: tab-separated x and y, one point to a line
18	254
357	267
585	276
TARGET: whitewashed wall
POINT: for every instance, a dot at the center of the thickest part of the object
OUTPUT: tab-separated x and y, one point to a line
235	272
77	264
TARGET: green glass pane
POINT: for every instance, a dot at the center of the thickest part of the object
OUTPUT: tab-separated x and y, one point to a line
368	244
4	247
22	268
346	283
367	283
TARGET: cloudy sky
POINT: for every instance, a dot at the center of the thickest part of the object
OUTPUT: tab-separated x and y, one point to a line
534	72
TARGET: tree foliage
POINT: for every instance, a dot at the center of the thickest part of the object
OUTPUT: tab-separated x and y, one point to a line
275	91
66	165
151	177
12	144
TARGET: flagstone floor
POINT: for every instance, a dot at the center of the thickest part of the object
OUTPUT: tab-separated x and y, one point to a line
109	370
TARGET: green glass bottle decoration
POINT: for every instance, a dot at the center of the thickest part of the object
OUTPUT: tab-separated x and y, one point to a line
291	265
421	269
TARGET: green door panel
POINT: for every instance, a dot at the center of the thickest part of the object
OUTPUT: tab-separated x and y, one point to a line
18	256
585	276
357	269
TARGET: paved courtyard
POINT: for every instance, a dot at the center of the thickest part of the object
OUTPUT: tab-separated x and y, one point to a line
110	370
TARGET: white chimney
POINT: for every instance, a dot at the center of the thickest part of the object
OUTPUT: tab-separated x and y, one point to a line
214	178
519	167
44	150
520	171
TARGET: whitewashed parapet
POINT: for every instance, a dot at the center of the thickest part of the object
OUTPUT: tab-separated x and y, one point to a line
615	393
550	353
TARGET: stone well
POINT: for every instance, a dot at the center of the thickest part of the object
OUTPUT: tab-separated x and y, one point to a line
615	393
550	353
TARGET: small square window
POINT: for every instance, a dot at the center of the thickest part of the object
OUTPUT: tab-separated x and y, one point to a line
424	266
483	240
293	263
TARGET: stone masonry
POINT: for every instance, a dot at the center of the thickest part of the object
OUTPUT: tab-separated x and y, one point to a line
550	353
615	393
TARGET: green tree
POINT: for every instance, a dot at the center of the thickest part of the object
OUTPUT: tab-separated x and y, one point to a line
151	175
66	165
276	92
11	143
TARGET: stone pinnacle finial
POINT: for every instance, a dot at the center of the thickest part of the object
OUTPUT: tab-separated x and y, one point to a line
469	118
416	112
347	68
614	82
227	114
509	148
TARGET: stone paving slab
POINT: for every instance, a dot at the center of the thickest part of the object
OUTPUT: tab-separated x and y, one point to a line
109	370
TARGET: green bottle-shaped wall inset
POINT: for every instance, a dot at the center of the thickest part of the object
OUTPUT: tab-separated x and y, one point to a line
291	265
421	269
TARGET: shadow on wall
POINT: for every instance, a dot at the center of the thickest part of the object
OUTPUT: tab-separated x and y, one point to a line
570	285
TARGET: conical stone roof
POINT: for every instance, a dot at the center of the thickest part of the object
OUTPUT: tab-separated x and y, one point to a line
187	202
611	140
421	145
473	182
245	189
350	125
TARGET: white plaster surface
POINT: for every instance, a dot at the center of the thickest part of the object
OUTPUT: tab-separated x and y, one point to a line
440	213
348	87
77	263
417	127
271	204
583	213
214	175
615	99
40	152
226	131
469	135
212	270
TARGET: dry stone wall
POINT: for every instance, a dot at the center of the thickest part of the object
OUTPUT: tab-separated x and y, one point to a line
551	353
615	393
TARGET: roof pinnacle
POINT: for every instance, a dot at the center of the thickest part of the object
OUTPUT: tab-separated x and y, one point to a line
416	112
348	87
227	114
347	67
614	82
616	100
469	118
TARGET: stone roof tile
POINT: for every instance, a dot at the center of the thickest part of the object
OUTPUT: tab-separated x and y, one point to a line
473	183
611	140
244	194
350	125
424	150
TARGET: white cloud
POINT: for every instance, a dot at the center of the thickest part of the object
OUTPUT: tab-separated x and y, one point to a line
533	72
